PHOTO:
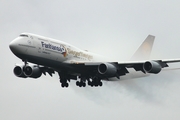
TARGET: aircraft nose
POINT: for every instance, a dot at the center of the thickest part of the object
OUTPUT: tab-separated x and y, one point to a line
13	46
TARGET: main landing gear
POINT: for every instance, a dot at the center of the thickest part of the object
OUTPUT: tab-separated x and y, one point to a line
63	80
95	81
82	82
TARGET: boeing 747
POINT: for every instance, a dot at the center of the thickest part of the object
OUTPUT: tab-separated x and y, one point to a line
71	63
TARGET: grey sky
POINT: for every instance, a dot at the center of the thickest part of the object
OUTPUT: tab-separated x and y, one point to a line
113	28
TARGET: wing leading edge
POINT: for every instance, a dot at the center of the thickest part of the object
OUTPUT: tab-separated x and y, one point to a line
121	68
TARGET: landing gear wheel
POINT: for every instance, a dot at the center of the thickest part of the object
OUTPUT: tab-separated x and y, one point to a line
66	84
89	82
62	85
95	83
80	85
77	83
84	84
100	83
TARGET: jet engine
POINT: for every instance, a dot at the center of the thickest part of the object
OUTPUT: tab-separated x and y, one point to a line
32	71
107	69
18	71
152	67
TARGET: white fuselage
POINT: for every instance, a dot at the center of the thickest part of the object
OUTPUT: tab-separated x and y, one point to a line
47	48
54	53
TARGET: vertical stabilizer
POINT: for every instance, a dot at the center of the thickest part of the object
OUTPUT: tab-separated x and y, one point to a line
144	51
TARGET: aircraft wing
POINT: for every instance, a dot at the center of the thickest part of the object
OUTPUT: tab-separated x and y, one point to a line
146	66
142	65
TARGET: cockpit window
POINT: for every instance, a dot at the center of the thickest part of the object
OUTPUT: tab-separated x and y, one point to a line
23	35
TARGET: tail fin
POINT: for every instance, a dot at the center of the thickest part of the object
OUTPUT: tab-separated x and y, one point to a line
144	51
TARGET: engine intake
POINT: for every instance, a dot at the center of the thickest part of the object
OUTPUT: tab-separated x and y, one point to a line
107	69
152	67
32	71
18	71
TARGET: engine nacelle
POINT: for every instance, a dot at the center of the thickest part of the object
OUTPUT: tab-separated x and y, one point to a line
152	67
107	69
18	71
32	71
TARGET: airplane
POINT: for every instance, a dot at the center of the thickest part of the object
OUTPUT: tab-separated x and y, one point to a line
49	55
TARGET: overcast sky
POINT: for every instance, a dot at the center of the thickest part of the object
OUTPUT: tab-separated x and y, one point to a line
113	28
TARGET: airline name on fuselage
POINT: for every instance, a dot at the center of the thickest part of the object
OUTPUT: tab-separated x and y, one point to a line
63	50
60	48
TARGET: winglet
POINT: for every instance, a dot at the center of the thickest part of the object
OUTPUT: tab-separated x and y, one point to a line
144	51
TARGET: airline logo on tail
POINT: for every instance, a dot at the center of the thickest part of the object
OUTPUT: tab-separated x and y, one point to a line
144	51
